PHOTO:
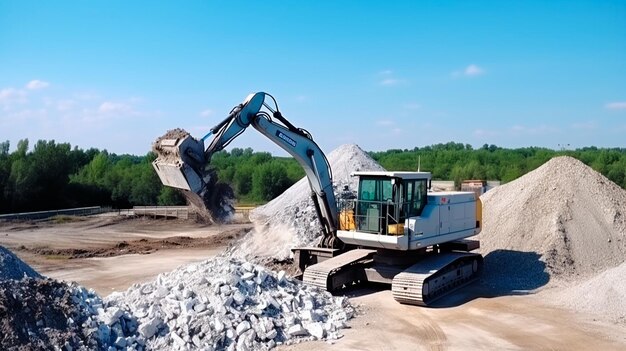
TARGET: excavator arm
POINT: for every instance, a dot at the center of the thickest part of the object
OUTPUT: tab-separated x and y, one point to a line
183	162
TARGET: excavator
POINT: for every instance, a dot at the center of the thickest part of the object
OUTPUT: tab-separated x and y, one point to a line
393	231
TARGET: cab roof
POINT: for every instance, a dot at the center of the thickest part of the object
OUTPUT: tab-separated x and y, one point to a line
403	175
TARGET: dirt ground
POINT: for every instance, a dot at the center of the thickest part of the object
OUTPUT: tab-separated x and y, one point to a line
467	321
109	254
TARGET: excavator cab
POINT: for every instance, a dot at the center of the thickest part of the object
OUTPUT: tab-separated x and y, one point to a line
384	201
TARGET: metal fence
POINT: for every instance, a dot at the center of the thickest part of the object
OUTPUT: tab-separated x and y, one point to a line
81	211
182	212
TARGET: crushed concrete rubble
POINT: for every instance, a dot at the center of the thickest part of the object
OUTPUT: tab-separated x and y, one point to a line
218	304
228	304
290	219
44	314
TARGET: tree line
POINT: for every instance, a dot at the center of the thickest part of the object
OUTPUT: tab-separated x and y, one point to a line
54	175
456	161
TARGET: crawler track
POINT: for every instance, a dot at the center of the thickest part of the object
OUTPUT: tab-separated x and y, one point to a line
435	276
337	271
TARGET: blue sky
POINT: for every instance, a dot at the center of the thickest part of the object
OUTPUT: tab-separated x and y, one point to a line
117	74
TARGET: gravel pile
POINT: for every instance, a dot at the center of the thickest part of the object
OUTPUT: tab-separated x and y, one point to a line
11	267
290	219
563	219
603	295
227	304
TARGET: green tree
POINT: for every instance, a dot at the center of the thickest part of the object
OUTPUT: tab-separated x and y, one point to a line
269	180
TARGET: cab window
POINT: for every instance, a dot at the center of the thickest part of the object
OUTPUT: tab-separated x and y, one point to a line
376	189
414	197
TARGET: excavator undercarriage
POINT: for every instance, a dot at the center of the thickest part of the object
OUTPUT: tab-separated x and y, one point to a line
416	277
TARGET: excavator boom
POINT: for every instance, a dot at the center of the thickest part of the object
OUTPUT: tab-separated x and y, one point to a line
182	161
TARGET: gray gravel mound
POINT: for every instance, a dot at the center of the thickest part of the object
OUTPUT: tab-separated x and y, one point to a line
569	215
603	296
11	267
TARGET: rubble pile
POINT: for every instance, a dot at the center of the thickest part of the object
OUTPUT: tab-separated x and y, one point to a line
227	304
38	314
218	304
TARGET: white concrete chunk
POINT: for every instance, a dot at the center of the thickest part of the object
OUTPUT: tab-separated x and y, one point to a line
316	329
297	330
243	327
148	328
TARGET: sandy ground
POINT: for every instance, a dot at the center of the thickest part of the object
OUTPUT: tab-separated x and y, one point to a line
468	320
118	272
108	274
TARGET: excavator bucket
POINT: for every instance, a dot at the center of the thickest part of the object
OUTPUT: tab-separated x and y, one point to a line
180	161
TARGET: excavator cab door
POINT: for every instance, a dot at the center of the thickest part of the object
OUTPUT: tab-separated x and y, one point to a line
377	204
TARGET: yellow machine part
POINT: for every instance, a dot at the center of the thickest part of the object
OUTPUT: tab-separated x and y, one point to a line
395	229
479	212
346	220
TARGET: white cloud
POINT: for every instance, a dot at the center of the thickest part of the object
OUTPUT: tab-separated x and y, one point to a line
36	84
206	113
114	107
388	79
618	105
473	70
469	71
